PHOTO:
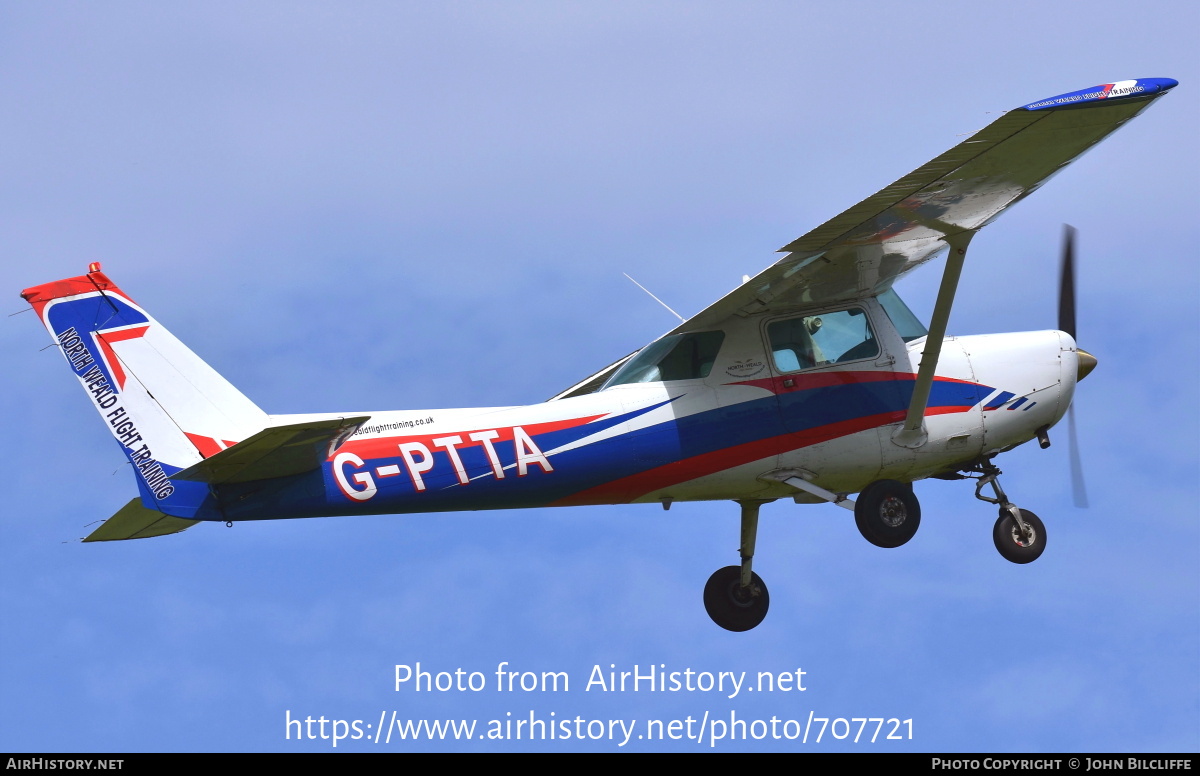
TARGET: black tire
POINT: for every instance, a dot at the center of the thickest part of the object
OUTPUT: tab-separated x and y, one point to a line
731	607
887	513
1012	545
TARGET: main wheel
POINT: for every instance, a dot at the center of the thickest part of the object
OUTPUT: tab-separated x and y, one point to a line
1013	544
887	513
730	605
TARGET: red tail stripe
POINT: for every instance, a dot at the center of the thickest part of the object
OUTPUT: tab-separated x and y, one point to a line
40	296
207	446
107	338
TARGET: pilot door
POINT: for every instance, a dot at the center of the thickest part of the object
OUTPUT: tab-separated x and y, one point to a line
834	378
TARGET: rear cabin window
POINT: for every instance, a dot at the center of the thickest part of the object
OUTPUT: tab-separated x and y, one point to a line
678	357
819	340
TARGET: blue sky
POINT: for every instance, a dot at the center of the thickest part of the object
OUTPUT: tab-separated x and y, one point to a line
385	205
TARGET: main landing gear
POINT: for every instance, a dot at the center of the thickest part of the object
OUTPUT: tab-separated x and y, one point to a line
1019	534
735	597
887	513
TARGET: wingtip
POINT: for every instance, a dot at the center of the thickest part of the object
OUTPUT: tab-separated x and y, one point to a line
1117	90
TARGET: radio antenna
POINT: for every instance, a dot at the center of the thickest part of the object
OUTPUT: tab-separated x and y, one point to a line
655	298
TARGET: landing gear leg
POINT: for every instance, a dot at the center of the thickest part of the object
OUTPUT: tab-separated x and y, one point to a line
735	597
1019	534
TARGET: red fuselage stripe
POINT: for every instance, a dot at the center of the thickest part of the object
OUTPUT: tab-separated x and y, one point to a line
637	485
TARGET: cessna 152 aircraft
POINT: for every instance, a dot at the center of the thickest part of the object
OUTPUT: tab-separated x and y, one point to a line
811	380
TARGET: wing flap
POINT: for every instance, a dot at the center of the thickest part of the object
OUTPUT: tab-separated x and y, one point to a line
135	521
277	451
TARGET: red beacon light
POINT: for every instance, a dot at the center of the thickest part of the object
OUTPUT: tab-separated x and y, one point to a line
94	266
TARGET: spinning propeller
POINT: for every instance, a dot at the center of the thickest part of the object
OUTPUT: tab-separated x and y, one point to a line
1087	362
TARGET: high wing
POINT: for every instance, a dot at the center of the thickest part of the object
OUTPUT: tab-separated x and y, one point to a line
861	252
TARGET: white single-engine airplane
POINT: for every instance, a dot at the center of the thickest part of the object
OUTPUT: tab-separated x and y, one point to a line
811	380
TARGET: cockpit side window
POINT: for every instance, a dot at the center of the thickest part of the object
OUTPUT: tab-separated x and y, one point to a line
678	357
818	340
908	326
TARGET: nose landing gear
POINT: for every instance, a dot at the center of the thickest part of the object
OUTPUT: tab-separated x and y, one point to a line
1019	535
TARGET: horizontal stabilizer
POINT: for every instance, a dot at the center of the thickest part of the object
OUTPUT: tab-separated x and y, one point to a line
277	451
134	521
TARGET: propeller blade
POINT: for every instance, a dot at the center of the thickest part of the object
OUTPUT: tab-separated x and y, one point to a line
1066	283
1066	322
1078	488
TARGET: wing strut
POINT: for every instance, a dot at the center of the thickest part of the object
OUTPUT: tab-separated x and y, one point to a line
913	433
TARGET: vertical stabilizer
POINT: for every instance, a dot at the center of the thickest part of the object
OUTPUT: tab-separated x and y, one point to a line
165	406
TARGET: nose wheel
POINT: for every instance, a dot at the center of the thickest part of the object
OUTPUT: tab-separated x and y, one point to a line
1019	535
1016	542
